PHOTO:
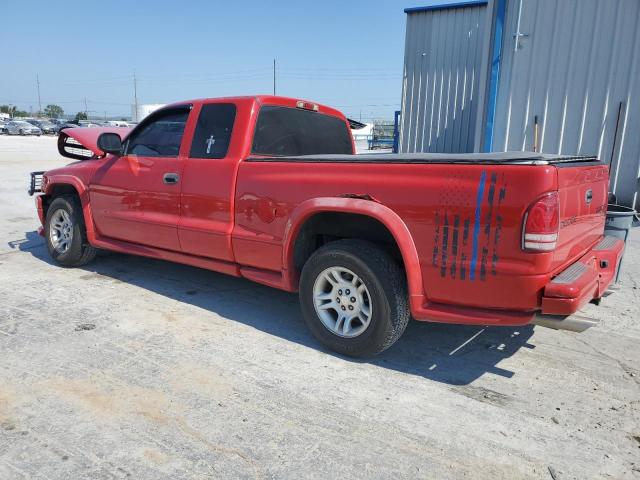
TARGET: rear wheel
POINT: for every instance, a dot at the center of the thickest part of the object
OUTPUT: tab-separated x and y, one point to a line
65	233
354	298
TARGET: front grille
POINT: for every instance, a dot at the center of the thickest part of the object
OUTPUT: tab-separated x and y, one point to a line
36	182
71	148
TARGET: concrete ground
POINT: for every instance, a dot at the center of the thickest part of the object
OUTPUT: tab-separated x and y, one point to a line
142	369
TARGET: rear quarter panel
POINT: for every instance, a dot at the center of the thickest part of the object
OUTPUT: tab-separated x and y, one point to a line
465	221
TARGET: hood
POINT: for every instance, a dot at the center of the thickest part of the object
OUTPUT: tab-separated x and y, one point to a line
82	143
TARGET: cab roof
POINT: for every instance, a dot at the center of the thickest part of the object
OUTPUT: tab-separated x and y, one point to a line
264	100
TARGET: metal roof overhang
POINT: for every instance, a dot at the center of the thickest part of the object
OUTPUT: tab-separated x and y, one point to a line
445	6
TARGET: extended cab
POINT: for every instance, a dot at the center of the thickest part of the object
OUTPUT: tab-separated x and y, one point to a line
268	188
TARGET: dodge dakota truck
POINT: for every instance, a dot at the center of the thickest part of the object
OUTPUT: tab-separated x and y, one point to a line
269	188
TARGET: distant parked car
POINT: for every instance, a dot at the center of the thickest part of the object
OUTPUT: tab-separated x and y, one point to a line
58	121
47	127
89	124
3	122
116	123
20	127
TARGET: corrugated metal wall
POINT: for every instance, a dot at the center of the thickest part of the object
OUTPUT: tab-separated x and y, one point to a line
442	63
579	61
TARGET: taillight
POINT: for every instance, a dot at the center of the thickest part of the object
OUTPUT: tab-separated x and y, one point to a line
541	223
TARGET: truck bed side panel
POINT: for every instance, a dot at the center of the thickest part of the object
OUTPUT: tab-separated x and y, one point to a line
465	221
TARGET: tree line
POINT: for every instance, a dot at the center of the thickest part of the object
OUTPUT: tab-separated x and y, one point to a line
50	111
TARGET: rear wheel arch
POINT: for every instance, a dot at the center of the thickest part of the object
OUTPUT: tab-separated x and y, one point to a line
353	297
383	227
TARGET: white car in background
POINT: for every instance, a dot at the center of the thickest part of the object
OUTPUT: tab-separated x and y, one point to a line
20	127
88	124
116	123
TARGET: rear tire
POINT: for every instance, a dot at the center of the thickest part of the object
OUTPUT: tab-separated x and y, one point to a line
65	233
379	310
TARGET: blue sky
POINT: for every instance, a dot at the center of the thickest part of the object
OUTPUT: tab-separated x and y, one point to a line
347	54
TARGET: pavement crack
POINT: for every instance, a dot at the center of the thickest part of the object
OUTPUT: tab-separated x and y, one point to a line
625	368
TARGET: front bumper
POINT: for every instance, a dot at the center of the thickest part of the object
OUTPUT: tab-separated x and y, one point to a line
40	209
585	280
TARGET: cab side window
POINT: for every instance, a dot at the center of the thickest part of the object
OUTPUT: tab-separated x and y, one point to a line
213	131
161	135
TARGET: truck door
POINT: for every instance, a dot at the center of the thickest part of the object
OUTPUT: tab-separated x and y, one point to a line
136	196
208	184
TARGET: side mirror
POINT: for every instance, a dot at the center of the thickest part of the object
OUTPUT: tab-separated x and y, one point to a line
110	143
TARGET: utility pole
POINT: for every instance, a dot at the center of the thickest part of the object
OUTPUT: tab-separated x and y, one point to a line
274	76
135	97
39	102
85	106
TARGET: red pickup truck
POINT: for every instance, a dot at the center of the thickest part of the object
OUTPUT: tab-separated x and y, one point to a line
268	188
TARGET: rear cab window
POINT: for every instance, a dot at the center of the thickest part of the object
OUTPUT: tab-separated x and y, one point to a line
287	131
213	131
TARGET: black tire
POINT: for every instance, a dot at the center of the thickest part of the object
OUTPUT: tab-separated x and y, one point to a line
387	288
79	252
22	132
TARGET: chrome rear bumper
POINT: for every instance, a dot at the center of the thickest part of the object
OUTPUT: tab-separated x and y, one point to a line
572	323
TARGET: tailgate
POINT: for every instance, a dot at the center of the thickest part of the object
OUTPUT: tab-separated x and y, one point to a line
582	190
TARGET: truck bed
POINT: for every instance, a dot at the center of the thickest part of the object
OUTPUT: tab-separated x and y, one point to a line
492	158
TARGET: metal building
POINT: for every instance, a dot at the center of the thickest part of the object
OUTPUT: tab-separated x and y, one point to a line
139	112
546	75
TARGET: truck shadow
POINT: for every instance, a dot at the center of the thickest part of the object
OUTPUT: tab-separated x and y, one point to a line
450	354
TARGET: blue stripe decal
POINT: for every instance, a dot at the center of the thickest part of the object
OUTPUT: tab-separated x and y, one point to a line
494	77
476	226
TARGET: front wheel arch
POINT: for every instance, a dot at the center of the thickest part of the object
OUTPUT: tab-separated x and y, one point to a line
70	185
64	227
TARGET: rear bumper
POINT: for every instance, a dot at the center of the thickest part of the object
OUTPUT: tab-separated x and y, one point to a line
583	281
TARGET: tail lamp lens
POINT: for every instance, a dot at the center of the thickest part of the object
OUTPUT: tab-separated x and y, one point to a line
541	223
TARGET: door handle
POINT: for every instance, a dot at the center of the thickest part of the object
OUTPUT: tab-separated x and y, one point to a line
170	178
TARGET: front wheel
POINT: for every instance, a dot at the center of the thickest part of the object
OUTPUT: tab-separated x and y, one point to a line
65	233
354	298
